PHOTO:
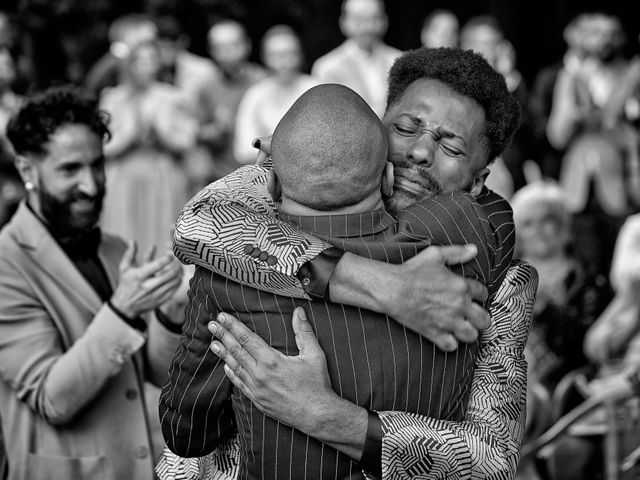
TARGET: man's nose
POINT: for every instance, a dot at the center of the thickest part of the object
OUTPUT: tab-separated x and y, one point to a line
88	183
422	150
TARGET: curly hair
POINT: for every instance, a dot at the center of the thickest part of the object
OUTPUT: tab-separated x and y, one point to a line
45	112
469	74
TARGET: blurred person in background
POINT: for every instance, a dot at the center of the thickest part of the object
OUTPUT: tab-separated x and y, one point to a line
484	35
180	67
11	191
219	97
11	39
264	104
363	61
82	322
612	344
152	127
600	169
542	93
124	34
440	28
570	296
615	334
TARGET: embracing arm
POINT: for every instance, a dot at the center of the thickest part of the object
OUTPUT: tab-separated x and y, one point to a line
486	444
229	227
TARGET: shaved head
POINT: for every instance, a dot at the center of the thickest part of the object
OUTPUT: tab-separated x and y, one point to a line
330	149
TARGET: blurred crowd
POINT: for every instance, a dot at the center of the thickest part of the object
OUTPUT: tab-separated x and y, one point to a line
572	173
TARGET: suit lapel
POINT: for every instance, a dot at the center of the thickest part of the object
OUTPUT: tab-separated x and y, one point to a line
33	236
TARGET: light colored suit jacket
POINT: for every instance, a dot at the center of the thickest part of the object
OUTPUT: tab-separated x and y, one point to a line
72	394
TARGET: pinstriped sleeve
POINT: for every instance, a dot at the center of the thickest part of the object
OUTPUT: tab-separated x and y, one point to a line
230	227
486	444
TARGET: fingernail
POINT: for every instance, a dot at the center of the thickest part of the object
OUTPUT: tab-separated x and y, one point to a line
212	327
222	318
256	143
215	348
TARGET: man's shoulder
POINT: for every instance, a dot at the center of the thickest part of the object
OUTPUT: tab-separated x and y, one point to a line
493	202
450	203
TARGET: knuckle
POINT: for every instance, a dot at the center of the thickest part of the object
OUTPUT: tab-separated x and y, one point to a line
244	338
235	350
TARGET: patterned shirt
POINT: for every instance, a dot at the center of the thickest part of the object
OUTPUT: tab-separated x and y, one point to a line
241	219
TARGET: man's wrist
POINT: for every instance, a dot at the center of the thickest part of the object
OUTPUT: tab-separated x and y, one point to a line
371	460
315	275
134	322
166	322
338	422
362	282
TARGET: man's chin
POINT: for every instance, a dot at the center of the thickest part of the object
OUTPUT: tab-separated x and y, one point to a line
400	200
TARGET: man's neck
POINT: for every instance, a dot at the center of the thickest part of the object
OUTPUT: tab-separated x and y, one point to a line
291	207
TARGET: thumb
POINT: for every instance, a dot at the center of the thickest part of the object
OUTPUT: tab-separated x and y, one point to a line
305	336
456	254
129	255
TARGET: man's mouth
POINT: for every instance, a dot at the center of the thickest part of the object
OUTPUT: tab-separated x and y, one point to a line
410	186
414	181
84	205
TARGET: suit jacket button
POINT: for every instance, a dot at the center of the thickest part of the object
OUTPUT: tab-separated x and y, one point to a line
255	253
142	452
271	260
263	256
248	248
131	394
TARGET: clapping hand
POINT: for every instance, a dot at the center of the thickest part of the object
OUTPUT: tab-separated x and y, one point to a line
147	285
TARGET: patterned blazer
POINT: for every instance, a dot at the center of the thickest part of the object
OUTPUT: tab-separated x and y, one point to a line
240	203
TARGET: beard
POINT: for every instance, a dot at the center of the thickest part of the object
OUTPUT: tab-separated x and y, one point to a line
60	214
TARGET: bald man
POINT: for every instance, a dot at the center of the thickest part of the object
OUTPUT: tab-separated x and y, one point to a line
330	166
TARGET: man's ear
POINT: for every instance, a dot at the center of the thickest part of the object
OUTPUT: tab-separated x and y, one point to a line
478	181
387	180
27	170
273	186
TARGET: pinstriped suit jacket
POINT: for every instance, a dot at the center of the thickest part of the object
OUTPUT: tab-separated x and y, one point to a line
372	361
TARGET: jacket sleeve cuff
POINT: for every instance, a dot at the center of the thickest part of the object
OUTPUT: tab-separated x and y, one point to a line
371	460
315	274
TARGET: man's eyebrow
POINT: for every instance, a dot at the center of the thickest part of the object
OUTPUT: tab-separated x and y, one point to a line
414	119
442	130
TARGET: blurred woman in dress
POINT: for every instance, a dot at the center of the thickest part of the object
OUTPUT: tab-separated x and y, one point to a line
152	128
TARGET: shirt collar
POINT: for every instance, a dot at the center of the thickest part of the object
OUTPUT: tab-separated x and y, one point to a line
352	48
342	225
